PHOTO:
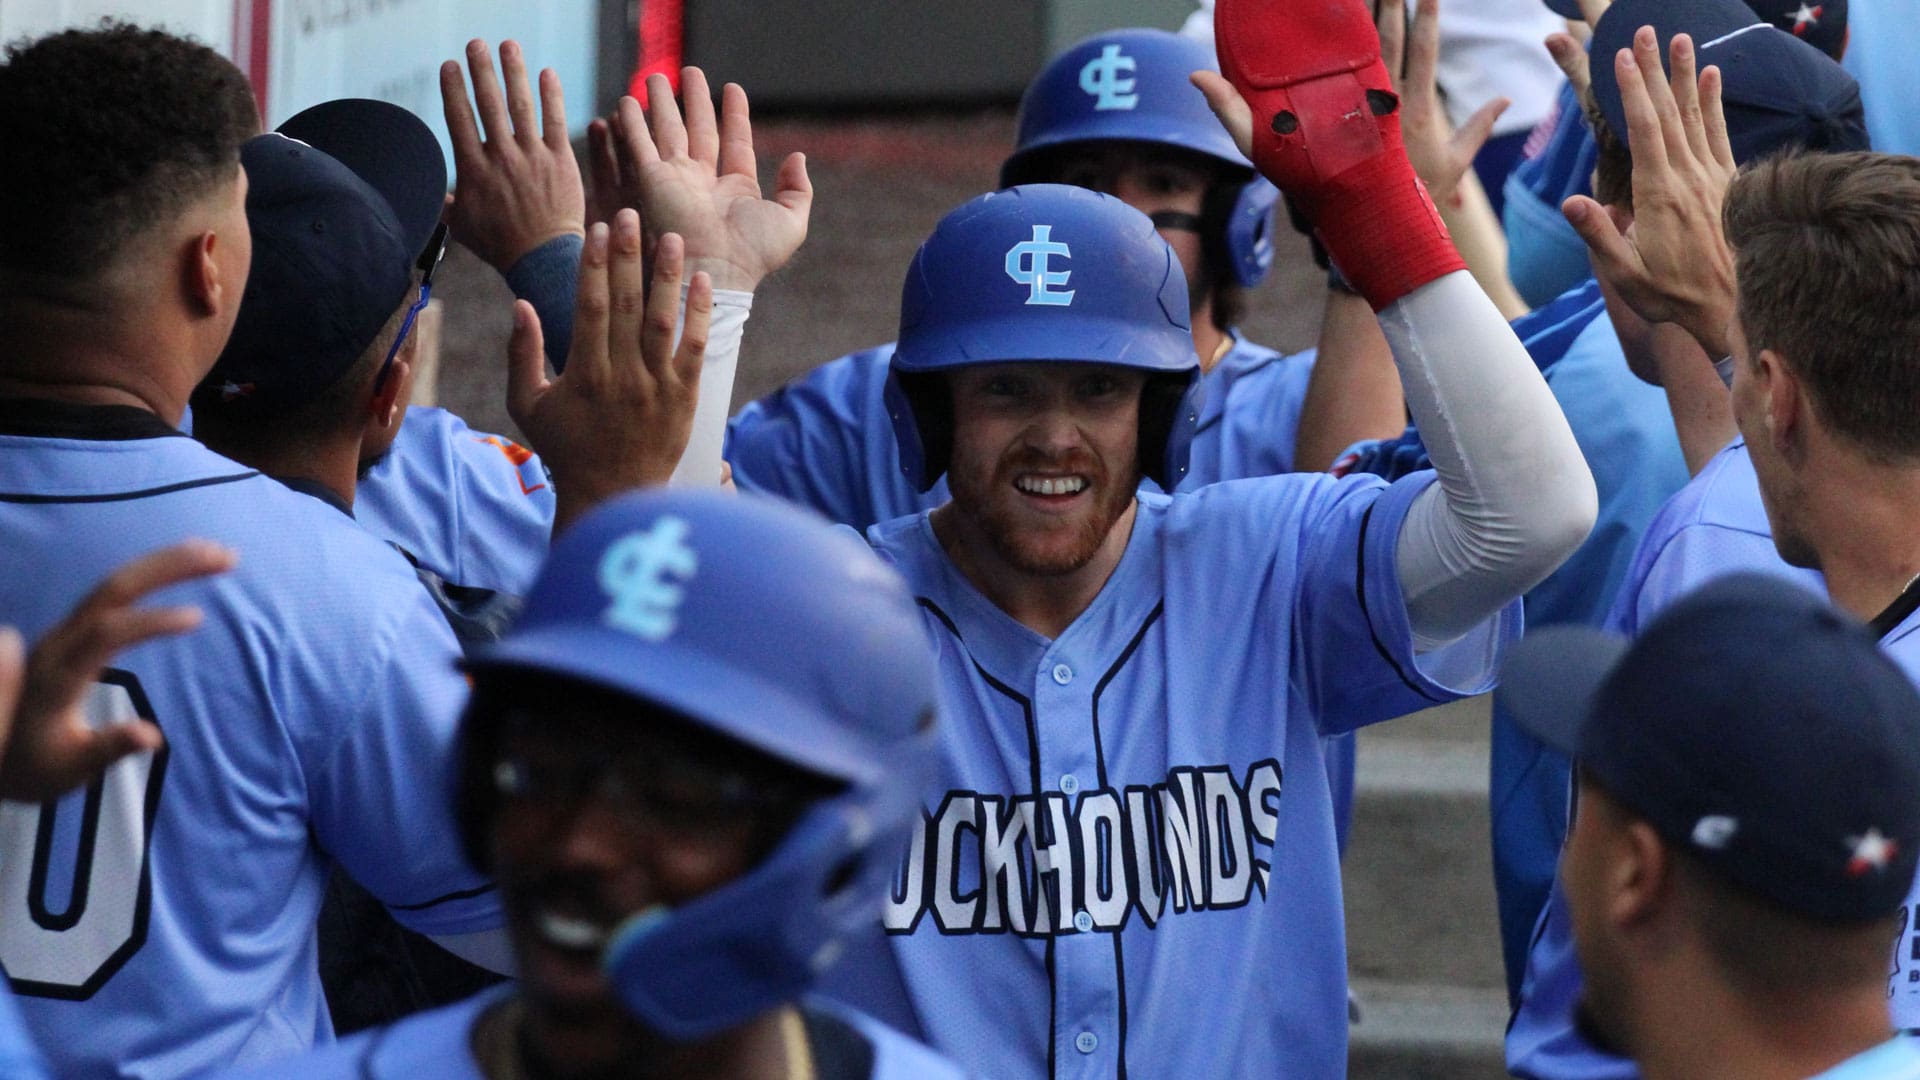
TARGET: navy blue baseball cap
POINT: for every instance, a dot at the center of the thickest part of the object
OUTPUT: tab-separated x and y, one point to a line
342	200
1778	92
1822	25
1753	726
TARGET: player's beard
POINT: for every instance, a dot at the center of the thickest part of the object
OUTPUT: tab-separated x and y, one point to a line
1016	534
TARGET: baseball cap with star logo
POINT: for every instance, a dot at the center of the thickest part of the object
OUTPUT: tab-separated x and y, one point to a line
1778	90
1820	23
1753	726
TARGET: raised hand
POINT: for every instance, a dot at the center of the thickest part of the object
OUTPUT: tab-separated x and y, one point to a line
698	178
1440	155
1672	263
519	187
49	746
621	415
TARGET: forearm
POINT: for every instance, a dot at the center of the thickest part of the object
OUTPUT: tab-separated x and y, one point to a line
1514	497
546	278
1482	243
700	465
1354	392
1701	406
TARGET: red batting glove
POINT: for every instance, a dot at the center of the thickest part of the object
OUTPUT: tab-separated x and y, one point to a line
1326	131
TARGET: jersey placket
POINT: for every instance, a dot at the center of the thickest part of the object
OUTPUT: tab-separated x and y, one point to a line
1088	1029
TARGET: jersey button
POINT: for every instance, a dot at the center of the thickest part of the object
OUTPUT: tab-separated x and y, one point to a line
1062	674
1086	1042
1082	921
1069	784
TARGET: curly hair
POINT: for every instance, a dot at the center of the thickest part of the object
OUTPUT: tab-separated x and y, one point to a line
109	130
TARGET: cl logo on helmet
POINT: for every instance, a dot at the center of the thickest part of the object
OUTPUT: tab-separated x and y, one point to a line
1027	265
634	573
1106	78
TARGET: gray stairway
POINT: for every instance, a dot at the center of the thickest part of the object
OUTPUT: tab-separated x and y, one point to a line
1423	938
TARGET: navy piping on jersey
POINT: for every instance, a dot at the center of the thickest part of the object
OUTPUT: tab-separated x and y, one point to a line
1896	613
1100	767
1360	589
125	496
1033	765
464	894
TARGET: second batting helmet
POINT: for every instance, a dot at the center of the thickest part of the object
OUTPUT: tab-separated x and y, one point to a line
1044	272
1132	86
764	624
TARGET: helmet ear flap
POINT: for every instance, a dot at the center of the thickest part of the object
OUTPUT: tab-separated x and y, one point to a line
1248	230
921	407
1169	408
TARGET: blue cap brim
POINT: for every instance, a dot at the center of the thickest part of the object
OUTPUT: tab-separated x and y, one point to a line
1549	683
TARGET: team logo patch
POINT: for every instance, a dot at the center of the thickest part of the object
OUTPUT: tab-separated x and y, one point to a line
1870	852
1108	77
636	573
1027	264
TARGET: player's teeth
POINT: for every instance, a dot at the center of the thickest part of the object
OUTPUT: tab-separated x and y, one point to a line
571	933
1049	485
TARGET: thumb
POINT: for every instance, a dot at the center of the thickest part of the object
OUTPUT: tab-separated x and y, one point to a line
1613	257
1229	107
1478	129
526	363
793	188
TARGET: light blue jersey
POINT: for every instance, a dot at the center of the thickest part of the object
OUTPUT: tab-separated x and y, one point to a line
438	1045
19	1058
162	922
476	509
1896	1059
826	440
1132	870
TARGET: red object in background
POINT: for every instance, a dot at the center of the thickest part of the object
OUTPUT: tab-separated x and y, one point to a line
661	45
252	43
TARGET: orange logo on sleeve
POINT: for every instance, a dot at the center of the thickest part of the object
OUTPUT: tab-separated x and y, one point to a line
518	455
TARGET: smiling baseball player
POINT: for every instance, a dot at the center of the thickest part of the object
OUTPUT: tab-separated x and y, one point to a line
1133	812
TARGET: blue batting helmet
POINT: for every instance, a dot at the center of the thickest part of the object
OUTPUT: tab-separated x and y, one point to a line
1132	86
765	624
1044	272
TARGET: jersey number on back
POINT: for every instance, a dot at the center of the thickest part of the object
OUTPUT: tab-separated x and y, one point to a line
75	890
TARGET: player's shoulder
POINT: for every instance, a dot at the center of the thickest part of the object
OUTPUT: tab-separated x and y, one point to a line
1724	495
847	386
433	1045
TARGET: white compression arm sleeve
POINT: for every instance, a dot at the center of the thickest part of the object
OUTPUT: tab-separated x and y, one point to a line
1515	497
700	465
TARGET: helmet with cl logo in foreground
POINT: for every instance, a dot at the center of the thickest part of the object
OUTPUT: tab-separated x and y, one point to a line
1044	272
765	624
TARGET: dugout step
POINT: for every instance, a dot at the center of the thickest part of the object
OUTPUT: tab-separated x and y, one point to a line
1414	1032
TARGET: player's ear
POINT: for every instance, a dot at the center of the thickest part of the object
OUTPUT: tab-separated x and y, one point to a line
390	398
1786	399
1641	876
207	289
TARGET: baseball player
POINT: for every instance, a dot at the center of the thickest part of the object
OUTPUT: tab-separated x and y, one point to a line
307	725
1746	494
1590	351
1113	113
1128	864
691	766
1731	891
48	737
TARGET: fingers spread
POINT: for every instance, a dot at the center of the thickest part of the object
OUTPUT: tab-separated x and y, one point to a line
793	188
1613	258
1390	19
736	135
1572	59
693	336
631	137
663	304
486	94
627	282
1423	48
1478	129
526	362
553	111
703	137
1713	118
663	117
157	570
1644	138
461	127
1685	87
587	359
513	68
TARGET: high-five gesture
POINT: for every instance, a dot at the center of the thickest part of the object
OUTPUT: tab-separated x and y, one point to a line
621	415
520	186
48	744
1440	154
697	177
1673	263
